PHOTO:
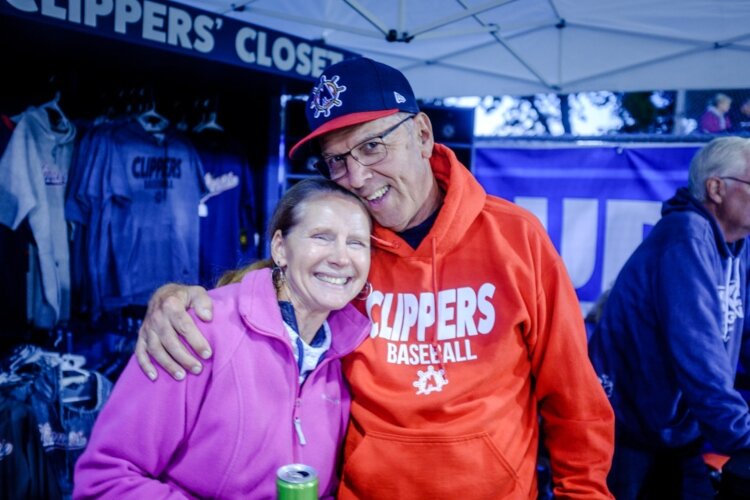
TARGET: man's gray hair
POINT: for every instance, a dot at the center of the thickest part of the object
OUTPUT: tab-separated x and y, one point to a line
723	156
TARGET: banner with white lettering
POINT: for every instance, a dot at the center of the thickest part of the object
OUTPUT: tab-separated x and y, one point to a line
186	30
597	203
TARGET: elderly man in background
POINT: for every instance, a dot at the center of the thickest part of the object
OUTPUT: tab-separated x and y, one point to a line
667	346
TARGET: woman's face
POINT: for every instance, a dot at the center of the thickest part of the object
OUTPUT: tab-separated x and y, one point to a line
326	255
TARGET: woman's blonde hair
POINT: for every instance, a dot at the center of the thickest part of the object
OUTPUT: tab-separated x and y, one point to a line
236	275
286	216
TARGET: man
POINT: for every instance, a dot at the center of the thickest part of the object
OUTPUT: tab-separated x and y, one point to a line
476	332
667	345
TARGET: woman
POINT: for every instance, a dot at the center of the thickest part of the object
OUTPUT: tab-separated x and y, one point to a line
273	394
715	119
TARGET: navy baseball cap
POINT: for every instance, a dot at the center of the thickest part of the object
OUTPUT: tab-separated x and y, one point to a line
355	91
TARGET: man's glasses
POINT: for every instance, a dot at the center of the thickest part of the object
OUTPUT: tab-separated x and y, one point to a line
366	153
736	179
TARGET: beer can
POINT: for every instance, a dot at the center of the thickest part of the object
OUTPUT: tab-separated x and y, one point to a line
296	482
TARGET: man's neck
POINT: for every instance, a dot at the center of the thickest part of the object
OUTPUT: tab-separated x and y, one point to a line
431	204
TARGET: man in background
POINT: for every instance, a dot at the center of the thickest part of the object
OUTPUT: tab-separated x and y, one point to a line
669	339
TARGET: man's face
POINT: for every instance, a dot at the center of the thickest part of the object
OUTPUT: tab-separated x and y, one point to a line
397	189
734	212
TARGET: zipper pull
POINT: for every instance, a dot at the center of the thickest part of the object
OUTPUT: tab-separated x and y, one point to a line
298	428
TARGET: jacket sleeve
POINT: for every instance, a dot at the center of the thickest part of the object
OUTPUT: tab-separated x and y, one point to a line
576	418
709	122
19	177
745	345
693	316
135	436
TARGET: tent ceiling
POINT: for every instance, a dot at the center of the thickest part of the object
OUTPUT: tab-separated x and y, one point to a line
481	47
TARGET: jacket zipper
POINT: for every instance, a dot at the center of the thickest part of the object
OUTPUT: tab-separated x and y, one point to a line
298	428
296	419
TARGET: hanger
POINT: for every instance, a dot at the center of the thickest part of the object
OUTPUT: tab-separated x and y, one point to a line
21	355
209	124
74	379
151	121
209	109
57	118
30	354
25	355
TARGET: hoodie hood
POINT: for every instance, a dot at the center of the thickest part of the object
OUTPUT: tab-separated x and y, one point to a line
259	307
464	199
683	201
62	136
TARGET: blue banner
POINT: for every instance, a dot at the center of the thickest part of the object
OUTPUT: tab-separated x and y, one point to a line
597	203
186	30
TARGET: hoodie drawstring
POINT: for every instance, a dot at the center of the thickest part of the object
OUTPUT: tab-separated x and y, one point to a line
434	343
733	272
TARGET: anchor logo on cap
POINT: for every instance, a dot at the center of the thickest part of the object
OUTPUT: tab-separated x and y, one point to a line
326	96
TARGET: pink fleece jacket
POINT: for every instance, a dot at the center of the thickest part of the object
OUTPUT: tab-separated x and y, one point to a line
225	433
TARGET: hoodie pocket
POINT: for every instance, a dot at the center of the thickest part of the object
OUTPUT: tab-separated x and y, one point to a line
391	466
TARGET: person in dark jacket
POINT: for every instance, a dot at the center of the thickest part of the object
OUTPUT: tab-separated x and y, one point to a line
671	333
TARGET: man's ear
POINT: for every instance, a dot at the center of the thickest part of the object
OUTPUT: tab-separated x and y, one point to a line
715	190
423	127
278	250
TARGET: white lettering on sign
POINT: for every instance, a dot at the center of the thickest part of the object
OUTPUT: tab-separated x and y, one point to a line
153	21
252	47
165	23
126	12
623	232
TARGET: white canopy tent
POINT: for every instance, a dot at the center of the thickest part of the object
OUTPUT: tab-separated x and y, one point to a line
521	47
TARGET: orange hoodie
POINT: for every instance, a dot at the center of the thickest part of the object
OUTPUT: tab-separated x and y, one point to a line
448	393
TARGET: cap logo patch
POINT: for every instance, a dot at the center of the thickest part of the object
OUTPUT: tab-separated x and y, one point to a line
399	98
326	96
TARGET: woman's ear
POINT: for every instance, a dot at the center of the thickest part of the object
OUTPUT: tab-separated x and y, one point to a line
278	251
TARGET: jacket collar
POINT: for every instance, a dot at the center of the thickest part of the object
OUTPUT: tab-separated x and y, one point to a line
259	308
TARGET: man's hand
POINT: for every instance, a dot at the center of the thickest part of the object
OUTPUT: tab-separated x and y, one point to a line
166	319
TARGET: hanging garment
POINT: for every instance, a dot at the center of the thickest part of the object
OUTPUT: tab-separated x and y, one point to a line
141	192
227	222
33	173
25	471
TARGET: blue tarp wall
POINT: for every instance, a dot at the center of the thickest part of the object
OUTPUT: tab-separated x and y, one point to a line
597	201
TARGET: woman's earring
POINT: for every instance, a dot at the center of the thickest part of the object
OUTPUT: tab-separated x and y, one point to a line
277	275
365	292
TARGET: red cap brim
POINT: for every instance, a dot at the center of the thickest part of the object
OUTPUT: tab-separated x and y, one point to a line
342	122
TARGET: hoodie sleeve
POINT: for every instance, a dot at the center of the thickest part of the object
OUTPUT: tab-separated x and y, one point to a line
136	435
19	180
577	419
691	279
745	346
